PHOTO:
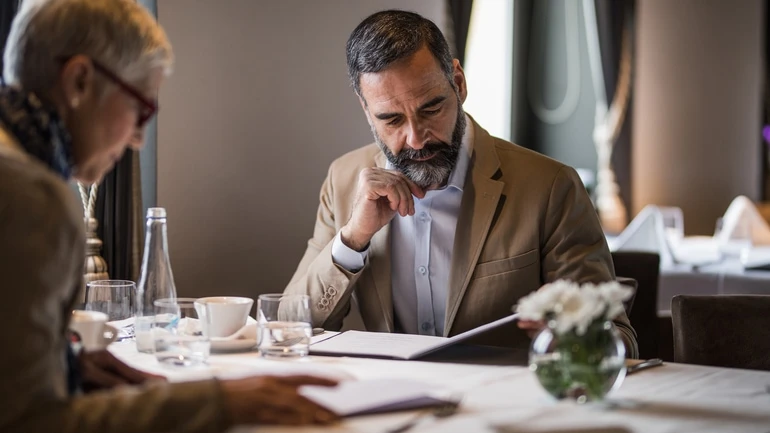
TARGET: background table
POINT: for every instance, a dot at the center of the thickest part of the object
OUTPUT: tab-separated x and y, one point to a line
724	278
672	398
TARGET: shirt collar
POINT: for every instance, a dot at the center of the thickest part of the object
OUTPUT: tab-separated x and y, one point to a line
457	177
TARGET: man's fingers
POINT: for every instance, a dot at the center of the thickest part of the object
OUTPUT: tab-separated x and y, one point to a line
530	324
406	199
413	188
532	327
394	191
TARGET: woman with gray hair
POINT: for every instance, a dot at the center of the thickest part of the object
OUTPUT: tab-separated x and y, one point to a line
82	77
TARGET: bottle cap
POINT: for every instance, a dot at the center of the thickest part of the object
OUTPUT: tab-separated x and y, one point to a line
156	212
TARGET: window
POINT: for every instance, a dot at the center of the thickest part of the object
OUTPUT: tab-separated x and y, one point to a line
488	65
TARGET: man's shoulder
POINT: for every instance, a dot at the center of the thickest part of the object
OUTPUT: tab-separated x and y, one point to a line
357	159
514	155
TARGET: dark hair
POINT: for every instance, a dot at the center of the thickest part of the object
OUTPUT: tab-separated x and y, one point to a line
388	36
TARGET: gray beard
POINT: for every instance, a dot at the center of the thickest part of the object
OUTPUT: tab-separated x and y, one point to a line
435	171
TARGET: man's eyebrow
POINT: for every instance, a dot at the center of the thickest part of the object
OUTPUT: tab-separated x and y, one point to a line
385	116
431	103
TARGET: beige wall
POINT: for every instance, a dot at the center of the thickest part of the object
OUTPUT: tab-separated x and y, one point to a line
697	106
257	108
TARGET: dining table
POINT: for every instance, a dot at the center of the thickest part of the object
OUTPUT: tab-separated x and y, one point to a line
496	396
725	277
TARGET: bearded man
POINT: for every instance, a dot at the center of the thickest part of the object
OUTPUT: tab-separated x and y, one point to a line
438	227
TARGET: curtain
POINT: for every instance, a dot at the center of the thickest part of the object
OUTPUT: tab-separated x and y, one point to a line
765	143
523	120
8	9
613	18
119	212
460	11
571	139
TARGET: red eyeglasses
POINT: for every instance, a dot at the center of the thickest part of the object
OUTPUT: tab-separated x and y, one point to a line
147	108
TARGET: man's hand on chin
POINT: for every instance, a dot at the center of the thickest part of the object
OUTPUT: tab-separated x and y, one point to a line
380	195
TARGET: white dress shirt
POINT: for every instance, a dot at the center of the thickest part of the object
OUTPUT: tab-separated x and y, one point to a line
421	252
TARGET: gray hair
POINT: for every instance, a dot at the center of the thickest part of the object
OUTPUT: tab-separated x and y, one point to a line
386	37
120	34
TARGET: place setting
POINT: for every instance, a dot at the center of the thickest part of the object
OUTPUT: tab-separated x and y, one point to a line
187	329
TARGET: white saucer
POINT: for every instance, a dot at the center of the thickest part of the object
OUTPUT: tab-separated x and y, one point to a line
237	345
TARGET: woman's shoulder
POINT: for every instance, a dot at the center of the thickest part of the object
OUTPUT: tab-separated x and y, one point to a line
31	192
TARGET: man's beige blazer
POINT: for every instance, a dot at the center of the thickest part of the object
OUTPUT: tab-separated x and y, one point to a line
525	220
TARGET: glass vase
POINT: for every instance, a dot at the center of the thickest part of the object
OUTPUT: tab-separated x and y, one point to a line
579	367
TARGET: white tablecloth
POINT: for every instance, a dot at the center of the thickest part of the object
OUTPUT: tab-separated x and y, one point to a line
724	278
673	398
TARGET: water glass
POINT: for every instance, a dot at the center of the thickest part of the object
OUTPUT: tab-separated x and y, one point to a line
116	299
178	336
283	325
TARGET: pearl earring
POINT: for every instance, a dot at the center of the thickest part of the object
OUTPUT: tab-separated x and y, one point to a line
75	102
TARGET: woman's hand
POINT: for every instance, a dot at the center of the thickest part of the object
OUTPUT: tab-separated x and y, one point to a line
274	400
102	370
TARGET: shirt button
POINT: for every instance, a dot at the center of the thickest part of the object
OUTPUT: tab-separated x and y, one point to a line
422	270
426	326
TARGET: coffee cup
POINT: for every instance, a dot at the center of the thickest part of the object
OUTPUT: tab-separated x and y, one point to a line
92	328
223	315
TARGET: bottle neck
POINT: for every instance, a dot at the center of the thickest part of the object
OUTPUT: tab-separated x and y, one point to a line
156	280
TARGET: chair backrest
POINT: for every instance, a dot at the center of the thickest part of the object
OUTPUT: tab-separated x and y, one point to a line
628	282
722	330
644	267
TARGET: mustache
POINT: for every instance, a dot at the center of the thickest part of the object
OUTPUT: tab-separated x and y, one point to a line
407	154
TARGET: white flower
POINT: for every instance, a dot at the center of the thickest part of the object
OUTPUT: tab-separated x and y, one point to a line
573	307
538	304
577	308
613	294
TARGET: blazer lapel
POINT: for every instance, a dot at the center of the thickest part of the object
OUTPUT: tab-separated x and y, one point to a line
481	195
380	264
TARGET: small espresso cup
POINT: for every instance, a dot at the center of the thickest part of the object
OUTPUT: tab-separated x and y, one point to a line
92	327
224	315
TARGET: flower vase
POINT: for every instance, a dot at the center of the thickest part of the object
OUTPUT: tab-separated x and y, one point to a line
583	367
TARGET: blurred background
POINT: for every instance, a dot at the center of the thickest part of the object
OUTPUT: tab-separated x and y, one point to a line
653	101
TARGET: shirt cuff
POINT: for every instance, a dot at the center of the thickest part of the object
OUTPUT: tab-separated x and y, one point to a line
346	257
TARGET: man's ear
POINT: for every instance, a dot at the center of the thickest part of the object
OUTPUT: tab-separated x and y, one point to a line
458	79
77	80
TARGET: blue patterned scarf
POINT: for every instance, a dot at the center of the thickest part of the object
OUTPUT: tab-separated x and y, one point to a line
37	128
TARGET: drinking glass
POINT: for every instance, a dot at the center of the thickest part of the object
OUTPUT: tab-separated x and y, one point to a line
283	325
178	336
116	299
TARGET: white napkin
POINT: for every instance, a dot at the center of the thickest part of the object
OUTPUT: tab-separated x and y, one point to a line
743	223
247	332
647	232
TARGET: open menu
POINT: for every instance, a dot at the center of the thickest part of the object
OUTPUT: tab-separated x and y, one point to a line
366	397
395	346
